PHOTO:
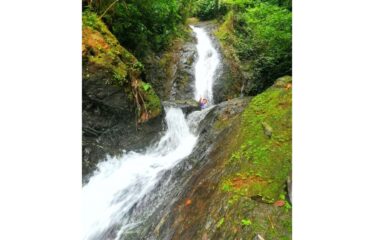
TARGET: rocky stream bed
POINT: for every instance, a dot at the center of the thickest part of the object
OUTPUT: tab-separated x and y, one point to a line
207	195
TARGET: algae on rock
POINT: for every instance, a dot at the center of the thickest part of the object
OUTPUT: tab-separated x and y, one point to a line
244	173
113	94
101	51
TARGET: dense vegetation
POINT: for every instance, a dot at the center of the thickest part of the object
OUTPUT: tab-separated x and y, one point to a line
143	25
255	33
208	9
259	35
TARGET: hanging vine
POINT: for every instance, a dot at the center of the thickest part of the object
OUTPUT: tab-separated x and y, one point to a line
142	114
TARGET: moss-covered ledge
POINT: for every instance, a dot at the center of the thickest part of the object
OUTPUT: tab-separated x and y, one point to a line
104	59
261	165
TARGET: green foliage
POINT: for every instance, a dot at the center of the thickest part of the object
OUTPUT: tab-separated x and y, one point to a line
220	222
144	25
146	86
208	9
287	206
262	39
246	222
102	49
226	187
243	4
152	101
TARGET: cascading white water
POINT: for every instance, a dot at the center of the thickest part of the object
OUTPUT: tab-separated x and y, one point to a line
120	183
206	65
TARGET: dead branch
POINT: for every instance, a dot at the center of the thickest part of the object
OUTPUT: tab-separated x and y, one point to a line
110	6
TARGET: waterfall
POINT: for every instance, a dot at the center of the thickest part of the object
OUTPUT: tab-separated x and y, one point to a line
206	65
119	183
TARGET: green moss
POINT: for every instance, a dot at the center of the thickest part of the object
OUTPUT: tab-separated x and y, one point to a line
103	56
227	39
152	101
100	48
258	167
220	222
221	124
265	162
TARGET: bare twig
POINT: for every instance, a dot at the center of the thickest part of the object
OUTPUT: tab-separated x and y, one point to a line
110	6
271	222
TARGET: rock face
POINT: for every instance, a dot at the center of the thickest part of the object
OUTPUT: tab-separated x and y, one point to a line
172	73
229	187
109	109
177	182
228	82
187	106
245	173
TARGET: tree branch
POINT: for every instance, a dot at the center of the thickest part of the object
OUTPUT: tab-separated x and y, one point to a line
110	6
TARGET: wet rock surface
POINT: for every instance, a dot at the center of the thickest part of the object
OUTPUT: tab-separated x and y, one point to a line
187	202
187	105
184	78
108	121
191	202
164	221
109	124
172	73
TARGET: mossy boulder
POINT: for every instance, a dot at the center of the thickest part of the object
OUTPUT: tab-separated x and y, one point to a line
261	164
238	188
102	51
233	76
105	60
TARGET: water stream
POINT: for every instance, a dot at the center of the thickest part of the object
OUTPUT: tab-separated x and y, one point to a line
121	182
206	65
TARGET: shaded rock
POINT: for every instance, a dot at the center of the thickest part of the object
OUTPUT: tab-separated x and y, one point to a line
172	73
187	106
177	183
218	174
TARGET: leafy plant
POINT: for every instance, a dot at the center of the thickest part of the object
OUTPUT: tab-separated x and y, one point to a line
287	205
143	25
208	9
146	86
220	222
260	33
226	187
246	222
